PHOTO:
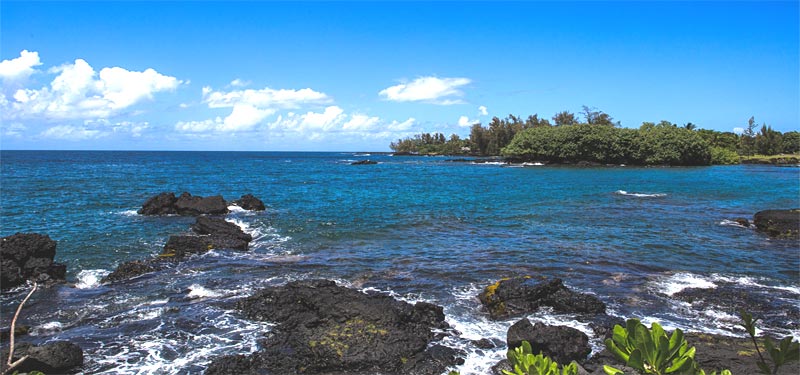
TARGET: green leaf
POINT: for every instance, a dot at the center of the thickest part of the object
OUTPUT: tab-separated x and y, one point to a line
676	341
619	353
612	371
635	360
678	365
763	367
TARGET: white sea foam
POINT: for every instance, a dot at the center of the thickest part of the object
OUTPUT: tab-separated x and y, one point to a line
129	213
536	164
46	329
90	278
684	280
198	291
640	195
732	223
234	209
174	351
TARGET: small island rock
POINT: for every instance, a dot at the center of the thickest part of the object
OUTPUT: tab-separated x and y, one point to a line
250	203
364	162
186	205
779	223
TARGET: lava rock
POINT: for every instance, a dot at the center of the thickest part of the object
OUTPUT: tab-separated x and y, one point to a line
325	328
779	223
742	221
57	357
218	227
129	270
364	162
251	203
188	205
29	256
161	204
562	344
185	204
523	295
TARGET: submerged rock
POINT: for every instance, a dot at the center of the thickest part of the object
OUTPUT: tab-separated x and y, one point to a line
29	256
251	203
324	328
57	357
779	223
129	270
562	344
523	295
364	162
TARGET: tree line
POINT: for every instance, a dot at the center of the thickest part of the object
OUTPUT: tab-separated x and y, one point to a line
597	138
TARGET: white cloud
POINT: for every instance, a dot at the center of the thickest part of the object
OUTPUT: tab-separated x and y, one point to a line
738	130
401	126
21	67
360	122
238	82
464	121
483	111
198	126
78	92
264	98
427	89
244	117
135	129
72	133
14	130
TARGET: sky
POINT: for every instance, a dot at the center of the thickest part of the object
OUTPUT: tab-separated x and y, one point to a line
354	76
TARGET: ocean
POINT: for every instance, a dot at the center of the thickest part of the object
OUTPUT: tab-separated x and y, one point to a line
417	228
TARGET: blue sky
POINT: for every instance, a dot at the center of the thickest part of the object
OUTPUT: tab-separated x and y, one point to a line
351	76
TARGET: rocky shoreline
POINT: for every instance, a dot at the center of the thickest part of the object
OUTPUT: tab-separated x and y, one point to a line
325	328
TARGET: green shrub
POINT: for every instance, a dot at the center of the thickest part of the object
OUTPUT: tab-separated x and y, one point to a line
723	156
786	351
525	363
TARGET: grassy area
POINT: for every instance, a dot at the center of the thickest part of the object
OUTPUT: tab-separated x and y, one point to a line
771	159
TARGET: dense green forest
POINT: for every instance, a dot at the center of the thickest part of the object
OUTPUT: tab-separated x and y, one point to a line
599	139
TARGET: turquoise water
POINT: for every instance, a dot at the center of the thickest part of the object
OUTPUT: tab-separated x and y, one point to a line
421	228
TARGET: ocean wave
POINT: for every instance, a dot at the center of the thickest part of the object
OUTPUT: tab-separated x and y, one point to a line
90	278
733	223
640	195
684	280
129	213
198	291
46	329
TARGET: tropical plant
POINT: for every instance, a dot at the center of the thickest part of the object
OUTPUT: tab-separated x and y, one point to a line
650	350
526	363
787	349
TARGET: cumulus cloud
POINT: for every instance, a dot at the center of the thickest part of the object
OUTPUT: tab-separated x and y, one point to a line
464	121
442	91
264	98
14	130
402	126
78	92
238	82
738	130
72	133
20	68
483	111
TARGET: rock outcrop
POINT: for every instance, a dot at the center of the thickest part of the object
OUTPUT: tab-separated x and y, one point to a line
186	205
29	256
57	357
562	344
250	203
324	328
210	233
779	223
523	295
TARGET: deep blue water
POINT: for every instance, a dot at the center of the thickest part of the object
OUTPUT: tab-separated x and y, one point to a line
421	228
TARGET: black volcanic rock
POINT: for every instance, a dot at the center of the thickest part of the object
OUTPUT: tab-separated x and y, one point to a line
57	357
129	270
218	227
161	204
189	205
324	328
779	223
562	344
186	205
29	256
523	295
251	203
364	162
